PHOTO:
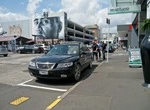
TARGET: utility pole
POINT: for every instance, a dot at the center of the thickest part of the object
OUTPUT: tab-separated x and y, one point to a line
108	22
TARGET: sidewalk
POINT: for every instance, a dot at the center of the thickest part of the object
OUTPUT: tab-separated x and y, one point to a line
112	86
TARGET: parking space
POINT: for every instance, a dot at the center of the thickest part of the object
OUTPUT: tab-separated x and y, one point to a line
26	92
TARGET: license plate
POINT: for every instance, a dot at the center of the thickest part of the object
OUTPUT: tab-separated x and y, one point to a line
43	72
63	76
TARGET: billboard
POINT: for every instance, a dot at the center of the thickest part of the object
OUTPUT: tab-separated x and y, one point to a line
51	27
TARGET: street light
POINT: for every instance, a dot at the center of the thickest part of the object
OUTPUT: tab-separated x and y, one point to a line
108	22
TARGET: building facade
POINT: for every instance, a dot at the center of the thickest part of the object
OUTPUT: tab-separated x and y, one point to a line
111	37
95	29
132	32
56	27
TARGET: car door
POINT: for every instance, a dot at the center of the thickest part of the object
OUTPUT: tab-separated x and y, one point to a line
88	55
83	57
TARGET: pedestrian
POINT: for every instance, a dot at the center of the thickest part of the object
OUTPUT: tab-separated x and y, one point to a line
104	45
95	50
99	49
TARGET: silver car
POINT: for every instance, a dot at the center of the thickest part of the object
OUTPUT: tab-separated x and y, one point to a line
3	50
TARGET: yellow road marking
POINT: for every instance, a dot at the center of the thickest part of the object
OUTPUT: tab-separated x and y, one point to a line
19	100
53	104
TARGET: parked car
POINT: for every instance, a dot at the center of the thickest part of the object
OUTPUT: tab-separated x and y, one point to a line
110	48
30	49
48	48
3	50
65	60
40	45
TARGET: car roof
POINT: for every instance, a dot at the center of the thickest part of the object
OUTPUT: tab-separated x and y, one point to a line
72	43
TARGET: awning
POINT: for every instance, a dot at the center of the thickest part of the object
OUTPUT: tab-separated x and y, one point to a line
7	38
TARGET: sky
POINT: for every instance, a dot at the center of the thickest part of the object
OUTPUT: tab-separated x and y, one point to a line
84	12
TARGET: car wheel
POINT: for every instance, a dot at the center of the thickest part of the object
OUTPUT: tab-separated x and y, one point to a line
19	51
90	64
76	73
5	55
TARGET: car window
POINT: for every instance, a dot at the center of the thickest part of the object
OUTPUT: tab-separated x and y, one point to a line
26	46
64	50
73	50
3	48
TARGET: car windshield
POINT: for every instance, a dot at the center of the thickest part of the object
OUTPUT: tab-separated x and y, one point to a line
64	50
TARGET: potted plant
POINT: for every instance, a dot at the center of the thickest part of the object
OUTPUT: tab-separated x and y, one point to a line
145	52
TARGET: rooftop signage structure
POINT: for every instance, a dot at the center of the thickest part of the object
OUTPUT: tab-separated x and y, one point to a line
125	9
124	6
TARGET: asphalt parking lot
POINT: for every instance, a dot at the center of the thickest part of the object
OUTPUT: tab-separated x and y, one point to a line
20	91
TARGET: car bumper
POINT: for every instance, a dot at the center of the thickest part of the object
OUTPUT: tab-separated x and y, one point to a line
51	74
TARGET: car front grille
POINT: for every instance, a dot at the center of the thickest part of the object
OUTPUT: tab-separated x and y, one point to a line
45	65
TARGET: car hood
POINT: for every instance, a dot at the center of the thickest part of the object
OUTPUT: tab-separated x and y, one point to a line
56	58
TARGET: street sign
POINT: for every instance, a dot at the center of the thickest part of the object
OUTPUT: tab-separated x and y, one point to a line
125	9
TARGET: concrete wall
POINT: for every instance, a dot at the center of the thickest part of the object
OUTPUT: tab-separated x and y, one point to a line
134	39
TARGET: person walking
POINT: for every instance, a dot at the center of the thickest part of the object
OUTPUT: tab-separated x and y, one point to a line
99	49
103	49
95	50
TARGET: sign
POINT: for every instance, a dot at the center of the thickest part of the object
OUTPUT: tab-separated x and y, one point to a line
116	3
135	57
125	9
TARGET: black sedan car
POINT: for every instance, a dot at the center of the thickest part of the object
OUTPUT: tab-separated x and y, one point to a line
65	60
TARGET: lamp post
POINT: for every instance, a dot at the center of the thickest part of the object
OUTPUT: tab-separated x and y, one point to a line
108	22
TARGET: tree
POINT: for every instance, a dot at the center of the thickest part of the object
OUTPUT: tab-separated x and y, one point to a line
146	25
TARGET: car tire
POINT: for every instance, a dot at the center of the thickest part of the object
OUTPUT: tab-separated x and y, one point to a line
19	51
5	55
77	72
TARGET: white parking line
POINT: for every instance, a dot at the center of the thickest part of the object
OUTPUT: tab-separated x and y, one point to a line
40	87
45	88
25	82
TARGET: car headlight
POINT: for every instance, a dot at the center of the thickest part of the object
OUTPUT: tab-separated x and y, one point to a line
32	64
64	65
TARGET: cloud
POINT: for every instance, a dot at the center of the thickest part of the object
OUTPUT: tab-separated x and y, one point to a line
32	6
93	12
5	17
115	19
